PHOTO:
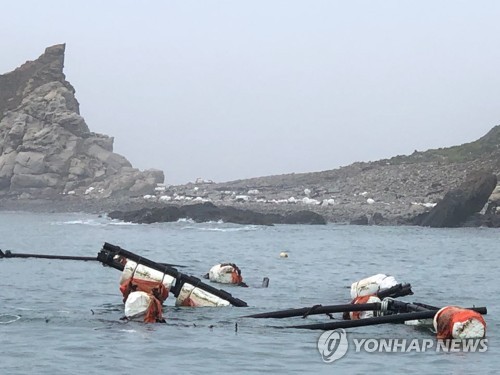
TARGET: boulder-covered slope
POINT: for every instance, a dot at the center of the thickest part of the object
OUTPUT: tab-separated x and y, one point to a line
47	149
388	191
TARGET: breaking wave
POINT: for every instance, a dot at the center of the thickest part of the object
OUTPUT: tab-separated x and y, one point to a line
93	222
222	229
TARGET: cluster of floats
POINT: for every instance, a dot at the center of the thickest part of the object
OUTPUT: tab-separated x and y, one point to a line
146	284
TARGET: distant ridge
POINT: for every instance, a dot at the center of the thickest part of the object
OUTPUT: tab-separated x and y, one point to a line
486	147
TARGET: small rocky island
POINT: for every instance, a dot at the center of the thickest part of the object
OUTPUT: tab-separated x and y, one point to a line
51	161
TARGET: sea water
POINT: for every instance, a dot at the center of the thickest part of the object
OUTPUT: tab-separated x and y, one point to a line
64	316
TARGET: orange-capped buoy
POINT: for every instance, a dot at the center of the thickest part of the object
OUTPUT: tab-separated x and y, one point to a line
356	315
452	322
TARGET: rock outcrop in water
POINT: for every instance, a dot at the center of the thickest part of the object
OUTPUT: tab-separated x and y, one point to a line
47	149
461	203
206	212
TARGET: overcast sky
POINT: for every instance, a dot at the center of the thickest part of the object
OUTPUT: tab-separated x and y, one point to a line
225	90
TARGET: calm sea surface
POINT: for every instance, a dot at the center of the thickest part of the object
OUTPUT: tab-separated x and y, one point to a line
64	316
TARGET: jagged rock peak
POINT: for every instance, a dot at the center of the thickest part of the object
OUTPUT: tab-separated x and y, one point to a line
52	58
31	75
46	148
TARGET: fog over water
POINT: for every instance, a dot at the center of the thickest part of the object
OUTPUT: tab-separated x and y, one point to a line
225	90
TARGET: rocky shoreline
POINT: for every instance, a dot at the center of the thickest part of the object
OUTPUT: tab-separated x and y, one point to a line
472	203
347	214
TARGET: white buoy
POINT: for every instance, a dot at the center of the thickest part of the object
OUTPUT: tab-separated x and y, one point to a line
225	273
372	285
283	254
137	305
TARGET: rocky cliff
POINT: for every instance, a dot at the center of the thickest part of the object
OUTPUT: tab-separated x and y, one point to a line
47	149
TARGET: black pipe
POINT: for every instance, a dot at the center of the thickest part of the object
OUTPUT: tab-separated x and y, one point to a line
9	254
428	307
117	250
172	265
396	318
265	282
398	290
393	305
318	309
403	307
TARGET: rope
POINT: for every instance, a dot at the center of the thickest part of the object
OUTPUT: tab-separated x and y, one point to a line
192	290
310	311
163	278
136	265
